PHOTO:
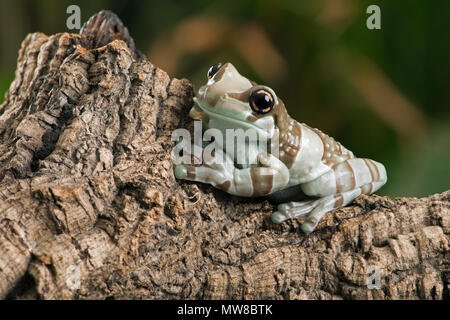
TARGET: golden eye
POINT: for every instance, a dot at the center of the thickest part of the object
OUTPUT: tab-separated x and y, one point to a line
261	100
213	70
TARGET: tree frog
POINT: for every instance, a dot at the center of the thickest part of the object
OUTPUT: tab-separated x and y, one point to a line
307	161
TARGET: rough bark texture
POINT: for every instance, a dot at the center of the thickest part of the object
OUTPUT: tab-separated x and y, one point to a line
89	206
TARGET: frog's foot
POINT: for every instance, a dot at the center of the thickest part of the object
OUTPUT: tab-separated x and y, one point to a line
336	188
292	210
214	168
214	176
313	210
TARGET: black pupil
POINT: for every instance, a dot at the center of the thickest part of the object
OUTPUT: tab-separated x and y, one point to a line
262	101
212	71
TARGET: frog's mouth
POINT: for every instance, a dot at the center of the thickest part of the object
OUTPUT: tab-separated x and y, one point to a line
240	123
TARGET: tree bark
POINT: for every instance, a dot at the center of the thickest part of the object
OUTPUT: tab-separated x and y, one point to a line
90	208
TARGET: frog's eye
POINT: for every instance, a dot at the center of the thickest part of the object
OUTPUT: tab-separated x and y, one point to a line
213	70
261	100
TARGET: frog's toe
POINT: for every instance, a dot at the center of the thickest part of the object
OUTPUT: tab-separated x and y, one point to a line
284	207
278	217
308	227
180	171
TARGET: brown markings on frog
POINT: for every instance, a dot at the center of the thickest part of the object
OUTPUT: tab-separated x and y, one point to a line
244	96
251	118
377	172
290	143
199	115
350	169
338	200
224	186
241	96
262	181
190	174
371	169
333	152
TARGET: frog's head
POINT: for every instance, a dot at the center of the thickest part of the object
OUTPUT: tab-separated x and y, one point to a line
230	101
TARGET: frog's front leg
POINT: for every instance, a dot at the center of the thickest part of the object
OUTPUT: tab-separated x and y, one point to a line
269	175
336	188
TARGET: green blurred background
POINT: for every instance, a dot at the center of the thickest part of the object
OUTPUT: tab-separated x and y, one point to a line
382	93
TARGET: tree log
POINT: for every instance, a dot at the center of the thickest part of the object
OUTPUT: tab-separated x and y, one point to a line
90	208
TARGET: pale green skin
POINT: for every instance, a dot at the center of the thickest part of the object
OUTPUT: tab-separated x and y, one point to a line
309	162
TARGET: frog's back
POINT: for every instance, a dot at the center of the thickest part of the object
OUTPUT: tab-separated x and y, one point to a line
333	151
315	153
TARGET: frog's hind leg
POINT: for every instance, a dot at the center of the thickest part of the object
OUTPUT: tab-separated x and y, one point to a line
338	200
336	188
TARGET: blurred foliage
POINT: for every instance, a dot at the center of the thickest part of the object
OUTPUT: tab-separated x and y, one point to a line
382	93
